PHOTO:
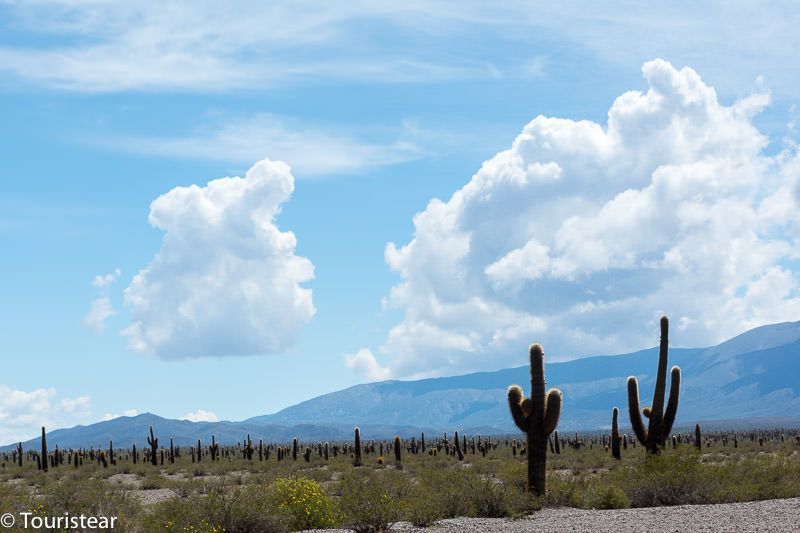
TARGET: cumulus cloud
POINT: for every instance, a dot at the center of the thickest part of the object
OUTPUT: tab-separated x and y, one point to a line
364	363
226	280
23	413
106	280
581	234
100	311
201	415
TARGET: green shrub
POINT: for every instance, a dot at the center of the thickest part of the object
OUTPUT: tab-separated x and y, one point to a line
607	497
372	501
239	510
305	503
669	480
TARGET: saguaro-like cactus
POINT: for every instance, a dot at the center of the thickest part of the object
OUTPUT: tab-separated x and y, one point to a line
44	451
660	426
537	417
357	448
698	437
153	442
398	457
459	452
615	434
214	449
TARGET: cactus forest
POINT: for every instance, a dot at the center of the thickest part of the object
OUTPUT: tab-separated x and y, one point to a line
371	484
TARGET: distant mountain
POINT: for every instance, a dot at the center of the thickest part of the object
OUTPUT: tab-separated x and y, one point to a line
126	430
755	375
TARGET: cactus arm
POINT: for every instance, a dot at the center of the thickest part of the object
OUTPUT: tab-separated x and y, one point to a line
633	410
656	426
515	403
672	403
552	411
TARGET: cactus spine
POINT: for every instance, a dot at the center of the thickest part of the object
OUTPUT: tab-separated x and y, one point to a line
615	434
153	442
660	426
537	417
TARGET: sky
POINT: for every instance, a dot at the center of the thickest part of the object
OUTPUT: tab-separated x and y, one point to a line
217	210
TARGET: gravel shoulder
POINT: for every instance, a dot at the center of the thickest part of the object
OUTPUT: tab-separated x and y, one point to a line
767	515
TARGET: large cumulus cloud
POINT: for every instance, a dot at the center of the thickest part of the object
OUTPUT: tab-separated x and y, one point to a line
581	234
226	280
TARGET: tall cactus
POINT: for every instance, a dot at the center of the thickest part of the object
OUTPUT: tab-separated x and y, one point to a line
44	451
661	421
357	448
615	453
537	417
153	442
459	452
214	449
398	457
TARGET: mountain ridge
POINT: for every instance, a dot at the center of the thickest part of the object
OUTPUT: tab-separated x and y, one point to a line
749	376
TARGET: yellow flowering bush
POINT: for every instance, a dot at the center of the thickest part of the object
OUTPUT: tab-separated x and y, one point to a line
305	503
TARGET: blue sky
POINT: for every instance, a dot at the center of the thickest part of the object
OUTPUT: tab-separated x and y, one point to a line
378	110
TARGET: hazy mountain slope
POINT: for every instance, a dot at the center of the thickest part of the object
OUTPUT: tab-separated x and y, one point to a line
754	375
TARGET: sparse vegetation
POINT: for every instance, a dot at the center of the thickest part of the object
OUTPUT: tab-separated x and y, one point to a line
294	486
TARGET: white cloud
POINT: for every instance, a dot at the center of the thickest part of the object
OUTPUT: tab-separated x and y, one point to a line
95	46
581	234
310	150
128	412
364	364
106	280
23	413
201	415
226	280
100	311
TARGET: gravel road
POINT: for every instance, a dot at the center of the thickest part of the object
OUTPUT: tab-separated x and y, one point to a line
769	516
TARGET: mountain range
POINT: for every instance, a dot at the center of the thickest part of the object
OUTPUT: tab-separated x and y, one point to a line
755	375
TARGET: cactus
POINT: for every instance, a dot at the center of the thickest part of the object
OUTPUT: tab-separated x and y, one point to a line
357	448
698	437
615	434
214	449
44	451
294	449
459	452
661	421
153	442
537	417
398	459
19	454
